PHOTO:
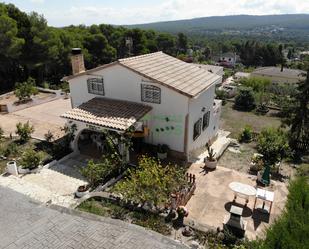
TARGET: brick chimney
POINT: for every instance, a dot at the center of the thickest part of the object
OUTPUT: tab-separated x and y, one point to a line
77	60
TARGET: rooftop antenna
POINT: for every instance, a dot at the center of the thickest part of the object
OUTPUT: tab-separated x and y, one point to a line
129	44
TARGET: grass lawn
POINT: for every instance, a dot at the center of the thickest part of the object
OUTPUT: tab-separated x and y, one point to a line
13	150
234	121
108	209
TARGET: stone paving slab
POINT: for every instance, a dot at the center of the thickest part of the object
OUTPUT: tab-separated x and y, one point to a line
26	224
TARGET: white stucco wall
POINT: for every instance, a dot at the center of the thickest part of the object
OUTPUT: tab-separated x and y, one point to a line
205	100
121	83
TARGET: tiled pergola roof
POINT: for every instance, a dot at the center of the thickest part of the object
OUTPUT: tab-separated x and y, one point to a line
108	113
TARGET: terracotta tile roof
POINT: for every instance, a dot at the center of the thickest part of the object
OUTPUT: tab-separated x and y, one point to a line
110	113
186	78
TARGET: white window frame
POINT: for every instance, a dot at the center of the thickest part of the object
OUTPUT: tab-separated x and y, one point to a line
199	124
150	94
96	86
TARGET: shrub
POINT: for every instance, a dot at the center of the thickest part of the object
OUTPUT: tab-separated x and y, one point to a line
24	131
246	135
221	94
257	84
97	172
30	159
273	144
24	90
244	99
292	228
49	136
11	150
151	182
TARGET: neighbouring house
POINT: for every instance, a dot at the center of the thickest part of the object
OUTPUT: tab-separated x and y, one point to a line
218	70
279	75
168	101
226	59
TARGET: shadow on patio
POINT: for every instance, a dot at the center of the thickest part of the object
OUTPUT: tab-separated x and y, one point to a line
212	200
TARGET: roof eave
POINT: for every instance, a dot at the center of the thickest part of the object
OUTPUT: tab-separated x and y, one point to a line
87	72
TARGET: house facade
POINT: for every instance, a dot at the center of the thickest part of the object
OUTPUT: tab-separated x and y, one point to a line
173	99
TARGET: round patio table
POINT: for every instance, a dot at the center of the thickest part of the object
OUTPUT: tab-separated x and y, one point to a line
242	190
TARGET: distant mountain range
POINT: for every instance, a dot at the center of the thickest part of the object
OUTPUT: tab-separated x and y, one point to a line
288	25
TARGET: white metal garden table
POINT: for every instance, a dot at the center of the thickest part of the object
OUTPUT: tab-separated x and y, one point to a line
242	190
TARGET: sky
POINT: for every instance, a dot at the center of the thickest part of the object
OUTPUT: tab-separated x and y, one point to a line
65	12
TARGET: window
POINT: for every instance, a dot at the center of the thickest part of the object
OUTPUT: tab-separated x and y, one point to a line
197	129
96	86
151	94
206	117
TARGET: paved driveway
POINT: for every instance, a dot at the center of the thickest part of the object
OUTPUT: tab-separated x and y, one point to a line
44	117
25	224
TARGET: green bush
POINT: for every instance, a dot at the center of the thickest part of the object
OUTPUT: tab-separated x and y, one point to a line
246	135
244	99
30	159
291	230
24	131
11	150
151	182
97	172
257	84
49	136
221	94
273	145
24	90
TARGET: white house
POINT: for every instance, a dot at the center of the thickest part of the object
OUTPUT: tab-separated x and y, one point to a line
172	100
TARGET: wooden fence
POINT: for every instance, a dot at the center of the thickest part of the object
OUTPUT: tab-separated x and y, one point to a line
182	197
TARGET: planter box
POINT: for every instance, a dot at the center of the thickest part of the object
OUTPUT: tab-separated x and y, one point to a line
21	170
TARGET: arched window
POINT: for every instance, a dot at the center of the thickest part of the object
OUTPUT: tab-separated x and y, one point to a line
150	93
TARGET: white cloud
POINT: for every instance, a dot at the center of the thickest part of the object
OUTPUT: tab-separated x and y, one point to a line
173	10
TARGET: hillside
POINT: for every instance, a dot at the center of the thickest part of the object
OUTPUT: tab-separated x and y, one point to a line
237	25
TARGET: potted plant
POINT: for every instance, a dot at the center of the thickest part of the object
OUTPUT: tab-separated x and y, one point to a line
210	161
82	190
162	151
256	163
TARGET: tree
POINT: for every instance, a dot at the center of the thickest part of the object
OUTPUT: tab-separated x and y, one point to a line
182	42
273	145
296	117
150	182
244	99
24	131
25	90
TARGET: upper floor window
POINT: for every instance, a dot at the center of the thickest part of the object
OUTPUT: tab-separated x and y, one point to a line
96	86
151	94
197	129
206	117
